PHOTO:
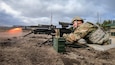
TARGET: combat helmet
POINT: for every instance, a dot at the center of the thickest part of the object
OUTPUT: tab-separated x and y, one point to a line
76	18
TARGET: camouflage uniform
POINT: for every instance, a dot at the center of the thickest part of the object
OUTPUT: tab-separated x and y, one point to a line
85	31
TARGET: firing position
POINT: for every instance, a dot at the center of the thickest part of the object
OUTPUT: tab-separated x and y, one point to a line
93	34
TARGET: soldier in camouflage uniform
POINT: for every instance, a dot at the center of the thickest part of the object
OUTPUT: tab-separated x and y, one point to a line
85	31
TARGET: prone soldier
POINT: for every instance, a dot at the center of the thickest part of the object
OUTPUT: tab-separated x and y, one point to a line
93	34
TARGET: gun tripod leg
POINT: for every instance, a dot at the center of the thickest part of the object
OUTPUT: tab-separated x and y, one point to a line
47	41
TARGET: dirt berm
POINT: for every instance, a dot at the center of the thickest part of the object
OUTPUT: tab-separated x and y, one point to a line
27	51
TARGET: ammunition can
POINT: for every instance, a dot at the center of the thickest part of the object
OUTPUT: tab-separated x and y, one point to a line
59	44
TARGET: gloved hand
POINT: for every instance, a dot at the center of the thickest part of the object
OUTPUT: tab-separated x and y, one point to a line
65	35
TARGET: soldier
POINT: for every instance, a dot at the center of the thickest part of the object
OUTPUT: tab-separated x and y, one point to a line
87	31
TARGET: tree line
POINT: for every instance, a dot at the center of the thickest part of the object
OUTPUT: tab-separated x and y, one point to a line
105	23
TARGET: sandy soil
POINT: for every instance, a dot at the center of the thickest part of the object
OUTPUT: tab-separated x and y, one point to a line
16	50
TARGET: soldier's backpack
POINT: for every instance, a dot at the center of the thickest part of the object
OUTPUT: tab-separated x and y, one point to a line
99	36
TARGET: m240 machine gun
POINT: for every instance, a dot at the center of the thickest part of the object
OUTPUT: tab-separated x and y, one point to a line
43	29
49	29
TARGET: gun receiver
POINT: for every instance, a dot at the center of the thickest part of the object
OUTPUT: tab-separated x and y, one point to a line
64	29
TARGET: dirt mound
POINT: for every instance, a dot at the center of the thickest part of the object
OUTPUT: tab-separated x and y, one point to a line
87	56
26	51
29	51
104	55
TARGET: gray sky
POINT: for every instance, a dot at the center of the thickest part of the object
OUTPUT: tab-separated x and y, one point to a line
34	12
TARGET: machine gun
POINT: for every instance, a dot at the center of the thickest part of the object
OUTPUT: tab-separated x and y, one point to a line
43	29
49	29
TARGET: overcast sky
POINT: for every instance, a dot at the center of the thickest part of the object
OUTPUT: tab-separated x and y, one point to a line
34	12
